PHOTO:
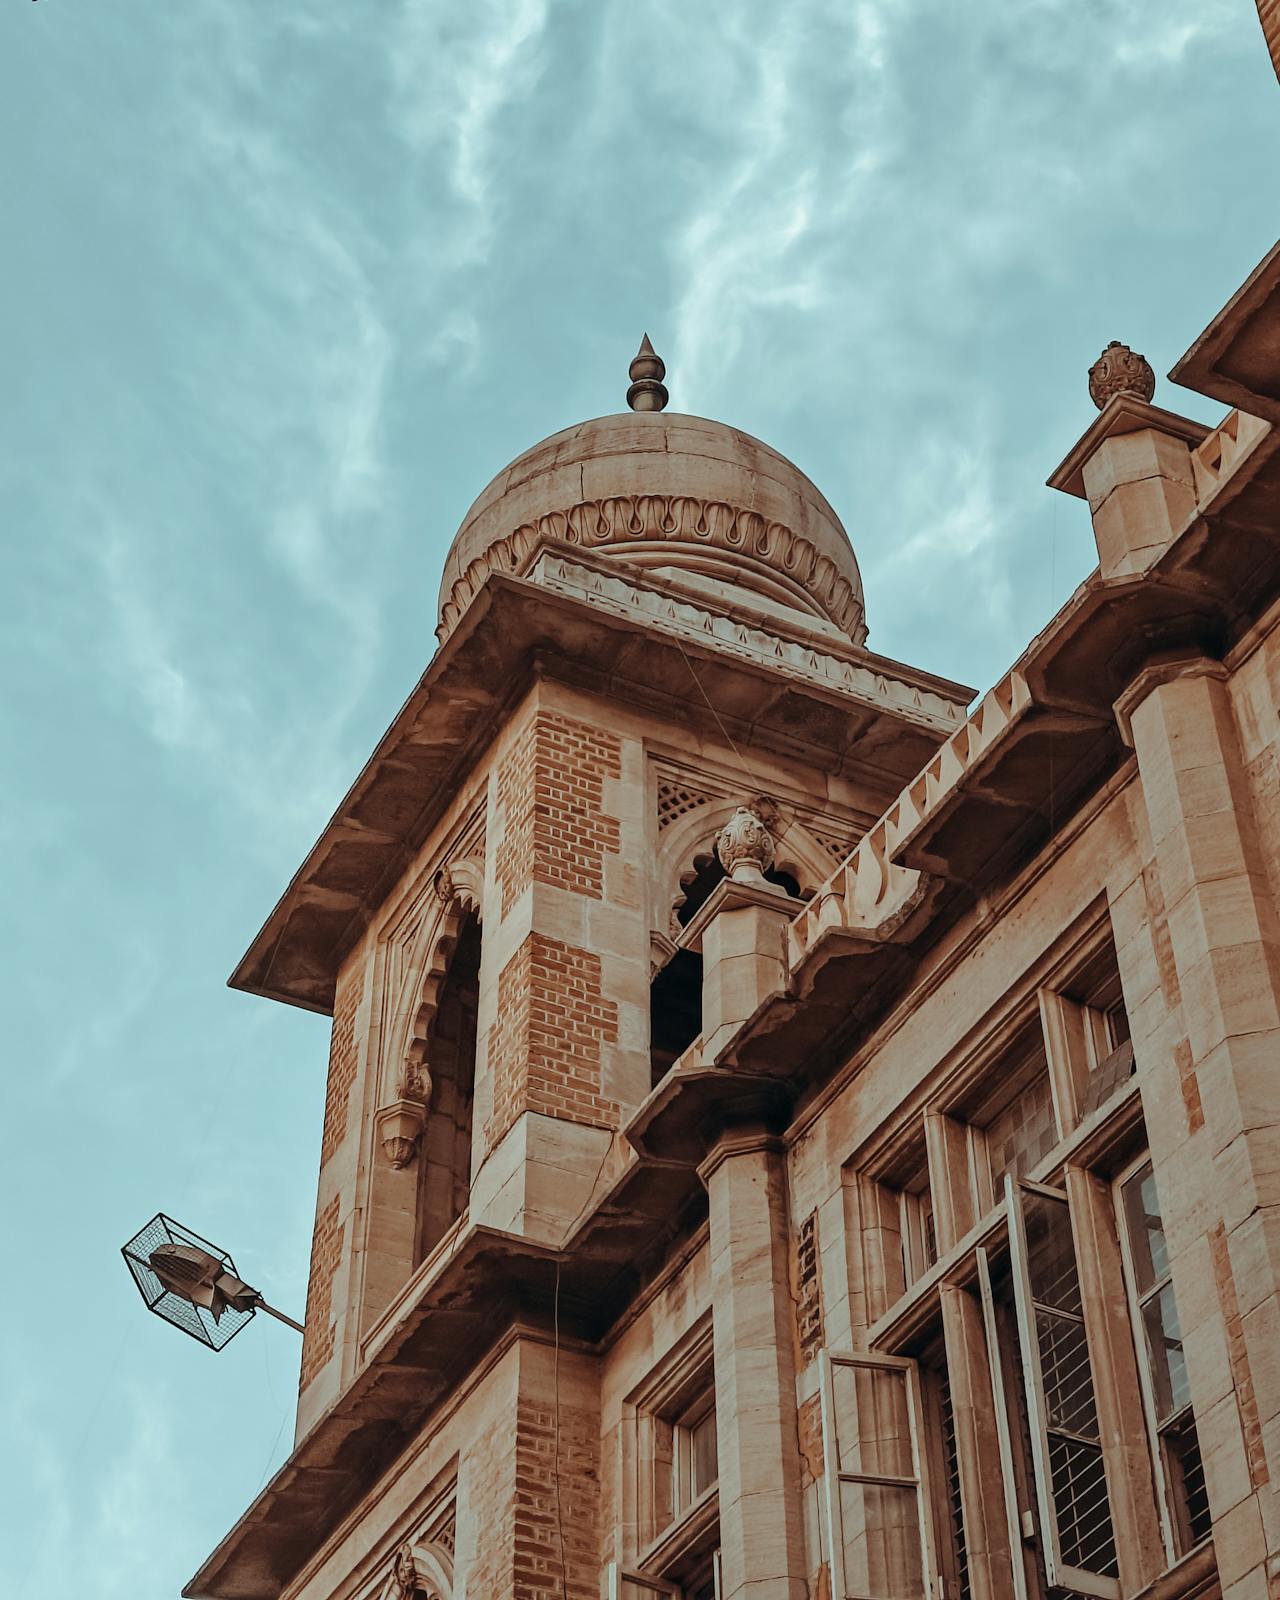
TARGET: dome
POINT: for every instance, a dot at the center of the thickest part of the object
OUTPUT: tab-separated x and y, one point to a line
681	497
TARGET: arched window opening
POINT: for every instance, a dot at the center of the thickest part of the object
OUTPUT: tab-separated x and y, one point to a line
675	994
444	1155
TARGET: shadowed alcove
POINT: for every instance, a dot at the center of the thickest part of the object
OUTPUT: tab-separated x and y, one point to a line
675	994
444	1154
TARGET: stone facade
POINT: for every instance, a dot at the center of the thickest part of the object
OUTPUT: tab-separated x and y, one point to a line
788	1135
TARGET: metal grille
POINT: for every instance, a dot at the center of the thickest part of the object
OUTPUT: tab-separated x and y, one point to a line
1186	1470
951	1462
1077	1478
1080	1500
195	1320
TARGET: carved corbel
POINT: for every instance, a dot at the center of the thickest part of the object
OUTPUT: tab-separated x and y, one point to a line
462	881
399	1125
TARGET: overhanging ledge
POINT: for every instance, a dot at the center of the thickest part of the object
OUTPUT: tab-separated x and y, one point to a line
835	705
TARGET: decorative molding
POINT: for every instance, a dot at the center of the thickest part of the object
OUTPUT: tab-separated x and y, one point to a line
462	880
399	1127
684	618
676	800
457	890
629	519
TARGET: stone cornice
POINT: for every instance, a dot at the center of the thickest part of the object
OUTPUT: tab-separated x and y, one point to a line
515	628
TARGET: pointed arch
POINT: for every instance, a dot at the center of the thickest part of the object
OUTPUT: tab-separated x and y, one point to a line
419	1571
688	869
687	848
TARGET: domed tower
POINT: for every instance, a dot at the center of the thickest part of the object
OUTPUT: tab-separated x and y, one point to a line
649	624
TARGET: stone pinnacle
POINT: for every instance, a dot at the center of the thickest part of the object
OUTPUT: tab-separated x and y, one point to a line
647	371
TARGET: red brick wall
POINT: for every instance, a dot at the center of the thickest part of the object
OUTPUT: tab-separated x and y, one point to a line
1237	1353
539	1572
807	1290
551	790
342	1068
326	1252
544	1049
1269	15
809	1418
512	1500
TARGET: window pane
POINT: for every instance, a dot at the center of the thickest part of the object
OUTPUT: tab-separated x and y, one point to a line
1068	1380
873	1432
1051	1256
702	1454
1164	1342
881	1542
1146	1231
1023	1133
1080	1502
1186	1480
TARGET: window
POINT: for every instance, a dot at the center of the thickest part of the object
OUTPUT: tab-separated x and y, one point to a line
1088	1028
1024	1131
671	1546
1078	1542
695	1462
1166	1391
919	1234
876	1487
704	1585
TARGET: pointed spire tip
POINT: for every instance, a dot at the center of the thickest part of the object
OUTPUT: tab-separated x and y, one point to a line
647	370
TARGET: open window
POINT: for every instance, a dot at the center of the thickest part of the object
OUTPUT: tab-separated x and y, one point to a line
444	1155
1162	1368
1077	1539
877	1488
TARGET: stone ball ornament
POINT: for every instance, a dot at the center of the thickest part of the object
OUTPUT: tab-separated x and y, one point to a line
745	846
1119	370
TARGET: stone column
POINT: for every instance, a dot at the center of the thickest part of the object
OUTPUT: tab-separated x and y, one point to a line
761	1520
1133	465
1211	1092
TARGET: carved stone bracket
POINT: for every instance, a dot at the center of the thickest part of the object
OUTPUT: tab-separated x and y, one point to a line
399	1127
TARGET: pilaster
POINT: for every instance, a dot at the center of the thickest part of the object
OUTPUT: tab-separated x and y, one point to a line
563	1022
1211	1090
761	1519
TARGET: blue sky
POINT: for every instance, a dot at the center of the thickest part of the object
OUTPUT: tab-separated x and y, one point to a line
283	286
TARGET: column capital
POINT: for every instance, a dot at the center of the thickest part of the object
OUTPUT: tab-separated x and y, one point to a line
752	1140
1157	673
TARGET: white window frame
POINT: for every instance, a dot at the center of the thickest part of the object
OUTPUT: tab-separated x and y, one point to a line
1004	1433
683	1497
833	1477
1058	1573
1164	1497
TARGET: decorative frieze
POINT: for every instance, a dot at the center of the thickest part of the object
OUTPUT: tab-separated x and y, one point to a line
632	519
746	640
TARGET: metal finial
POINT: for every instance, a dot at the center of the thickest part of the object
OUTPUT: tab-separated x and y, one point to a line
647	371
1119	370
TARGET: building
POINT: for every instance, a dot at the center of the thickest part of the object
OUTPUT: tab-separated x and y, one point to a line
786	1135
